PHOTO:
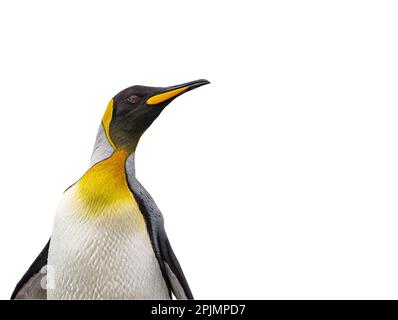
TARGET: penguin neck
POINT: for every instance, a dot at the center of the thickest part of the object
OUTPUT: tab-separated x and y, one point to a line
128	160
130	165
104	150
104	188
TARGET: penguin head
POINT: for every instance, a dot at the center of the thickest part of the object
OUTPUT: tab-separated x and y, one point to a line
134	109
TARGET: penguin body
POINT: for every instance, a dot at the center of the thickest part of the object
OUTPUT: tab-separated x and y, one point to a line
115	244
108	239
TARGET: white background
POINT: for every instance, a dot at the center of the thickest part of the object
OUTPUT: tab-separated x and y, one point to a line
278	180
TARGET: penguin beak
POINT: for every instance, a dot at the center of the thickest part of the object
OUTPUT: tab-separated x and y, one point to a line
168	93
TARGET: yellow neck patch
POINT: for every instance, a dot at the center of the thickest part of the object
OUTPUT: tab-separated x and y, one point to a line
106	121
103	190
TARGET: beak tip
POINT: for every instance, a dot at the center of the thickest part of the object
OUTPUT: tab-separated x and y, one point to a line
198	83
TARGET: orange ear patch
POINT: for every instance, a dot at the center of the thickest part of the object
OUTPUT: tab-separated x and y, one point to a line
106	121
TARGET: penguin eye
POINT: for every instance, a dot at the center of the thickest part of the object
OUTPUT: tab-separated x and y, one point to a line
133	99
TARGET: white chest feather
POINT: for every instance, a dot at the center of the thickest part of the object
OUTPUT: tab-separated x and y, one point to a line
103	257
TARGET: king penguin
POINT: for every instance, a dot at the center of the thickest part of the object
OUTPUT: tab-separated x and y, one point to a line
108	239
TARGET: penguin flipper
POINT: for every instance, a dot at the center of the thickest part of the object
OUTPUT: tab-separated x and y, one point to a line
179	284
29	287
168	262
